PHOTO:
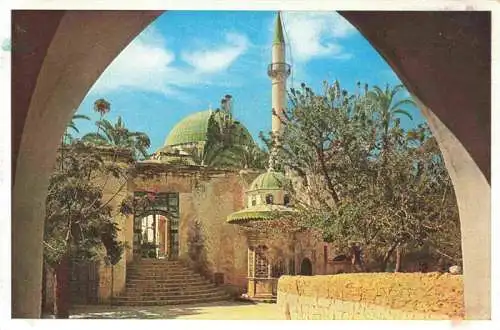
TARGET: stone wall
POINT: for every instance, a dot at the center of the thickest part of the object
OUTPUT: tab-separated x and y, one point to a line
371	296
205	200
115	191
205	210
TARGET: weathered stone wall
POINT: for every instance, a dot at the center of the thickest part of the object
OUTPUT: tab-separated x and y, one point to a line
115	191
225	247
206	200
371	296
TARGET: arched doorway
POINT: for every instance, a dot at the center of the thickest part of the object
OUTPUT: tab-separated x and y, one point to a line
156	231
306	267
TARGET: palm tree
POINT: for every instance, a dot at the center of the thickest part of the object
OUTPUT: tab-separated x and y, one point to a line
72	126
67	137
119	136
388	107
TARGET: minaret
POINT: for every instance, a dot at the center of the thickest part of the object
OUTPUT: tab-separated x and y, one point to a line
278	71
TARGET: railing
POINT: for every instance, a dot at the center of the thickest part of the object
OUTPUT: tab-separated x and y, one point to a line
274	69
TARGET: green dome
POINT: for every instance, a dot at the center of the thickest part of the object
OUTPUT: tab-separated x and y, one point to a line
191	129
270	180
195	128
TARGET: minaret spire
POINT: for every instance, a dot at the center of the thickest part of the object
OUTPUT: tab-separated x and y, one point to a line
278	71
278	31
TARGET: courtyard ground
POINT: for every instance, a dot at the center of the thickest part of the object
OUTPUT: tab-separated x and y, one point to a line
210	311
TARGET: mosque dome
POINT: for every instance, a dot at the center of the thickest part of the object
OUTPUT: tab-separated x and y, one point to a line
195	128
191	129
268	181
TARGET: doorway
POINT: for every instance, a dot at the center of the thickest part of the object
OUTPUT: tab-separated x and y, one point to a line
156	231
306	267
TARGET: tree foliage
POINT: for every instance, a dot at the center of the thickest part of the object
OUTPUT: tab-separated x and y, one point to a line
118	136
229	144
79	222
360	177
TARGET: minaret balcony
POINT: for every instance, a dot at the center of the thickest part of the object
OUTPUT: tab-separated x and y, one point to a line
276	69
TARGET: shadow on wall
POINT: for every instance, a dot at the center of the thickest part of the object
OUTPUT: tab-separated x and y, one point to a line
197	251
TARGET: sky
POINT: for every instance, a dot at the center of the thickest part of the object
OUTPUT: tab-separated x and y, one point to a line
186	61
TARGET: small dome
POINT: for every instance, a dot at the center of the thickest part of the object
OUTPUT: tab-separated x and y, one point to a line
269	181
192	128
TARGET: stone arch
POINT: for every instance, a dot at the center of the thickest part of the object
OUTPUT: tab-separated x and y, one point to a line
52	72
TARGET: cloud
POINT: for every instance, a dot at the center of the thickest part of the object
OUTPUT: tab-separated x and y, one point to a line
147	64
316	34
217	59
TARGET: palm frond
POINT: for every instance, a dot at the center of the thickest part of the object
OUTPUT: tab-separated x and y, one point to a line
403	112
96	138
407	101
78	116
72	126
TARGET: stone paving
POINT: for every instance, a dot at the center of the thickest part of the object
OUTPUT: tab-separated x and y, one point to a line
208	311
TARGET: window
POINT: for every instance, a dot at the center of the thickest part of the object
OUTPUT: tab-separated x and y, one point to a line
269	199
254	201
261	263
286	200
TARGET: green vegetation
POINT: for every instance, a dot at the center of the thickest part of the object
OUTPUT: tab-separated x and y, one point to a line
229	144
364	179
79	223
118	136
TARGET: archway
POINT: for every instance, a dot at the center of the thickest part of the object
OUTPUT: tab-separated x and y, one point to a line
306	267
54	72
156	236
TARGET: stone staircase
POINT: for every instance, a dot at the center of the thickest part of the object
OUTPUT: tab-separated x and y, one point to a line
161	282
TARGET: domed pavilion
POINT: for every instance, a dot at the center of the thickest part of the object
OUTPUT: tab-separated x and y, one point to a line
267	206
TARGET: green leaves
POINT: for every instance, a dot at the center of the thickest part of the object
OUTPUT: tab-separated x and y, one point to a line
230	145
78	221
360	176
118	136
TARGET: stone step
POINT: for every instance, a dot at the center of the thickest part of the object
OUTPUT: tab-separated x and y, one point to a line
163	277
160	271
154	286
172	282
158	263
169	302
173	286
170	292
172	296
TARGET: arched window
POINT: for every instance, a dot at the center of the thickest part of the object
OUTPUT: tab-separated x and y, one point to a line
269	199
286	200
254	201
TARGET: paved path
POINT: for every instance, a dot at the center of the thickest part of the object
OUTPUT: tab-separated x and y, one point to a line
210	311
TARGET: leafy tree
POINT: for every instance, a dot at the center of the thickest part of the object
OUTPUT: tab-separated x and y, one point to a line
79	223
79	218
359	177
